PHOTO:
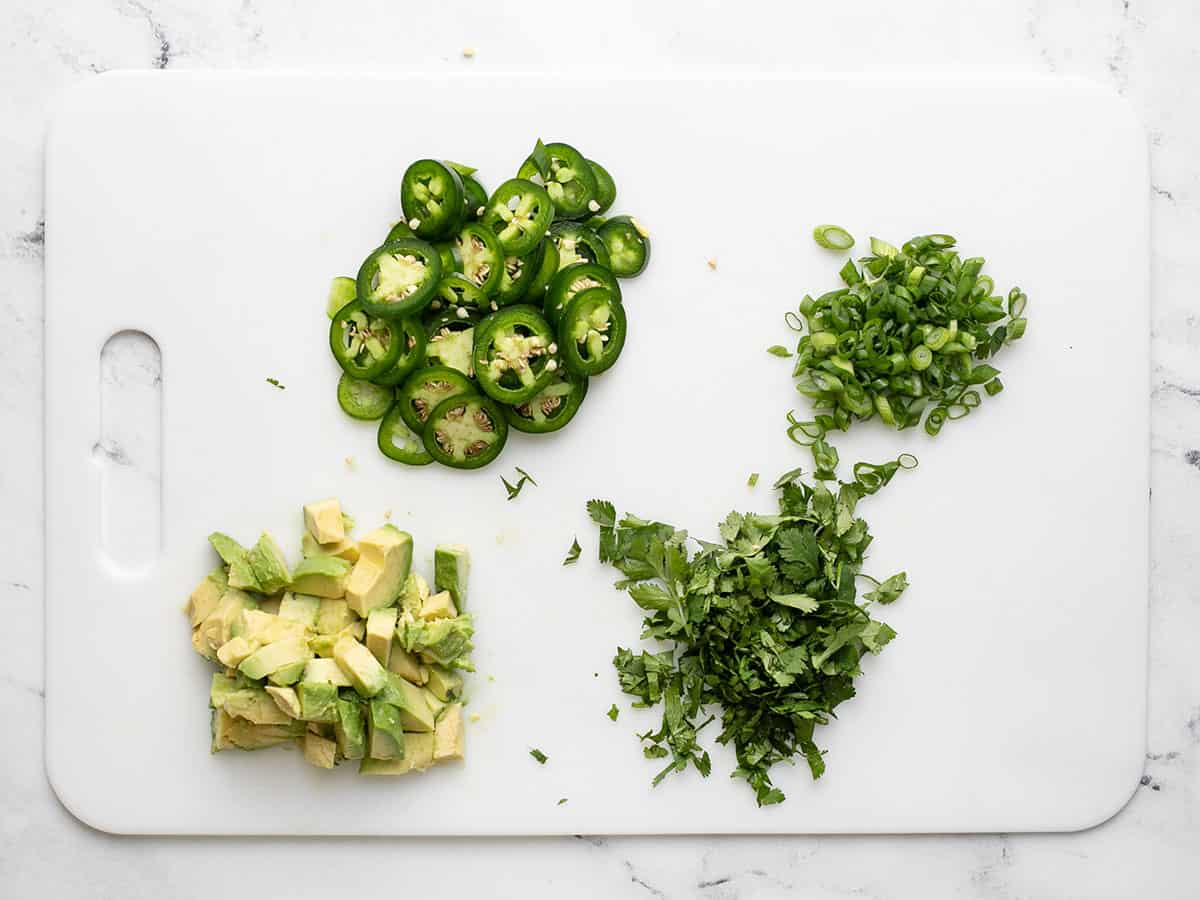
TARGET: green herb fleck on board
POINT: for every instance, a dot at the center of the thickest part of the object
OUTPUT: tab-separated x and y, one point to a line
539	756
274	382
561	802
573	553
515	489
779	350
613	712
752	480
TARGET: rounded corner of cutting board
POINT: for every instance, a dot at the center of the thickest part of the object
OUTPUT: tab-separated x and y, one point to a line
80	804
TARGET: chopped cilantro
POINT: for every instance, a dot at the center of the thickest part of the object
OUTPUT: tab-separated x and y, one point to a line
779	350
613	712
539	755
752	481
275	382
515	489
561	802
573	553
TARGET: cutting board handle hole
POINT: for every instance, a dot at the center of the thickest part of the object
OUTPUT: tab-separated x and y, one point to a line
128	450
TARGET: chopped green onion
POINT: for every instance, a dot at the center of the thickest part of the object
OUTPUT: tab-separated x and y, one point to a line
538	755
833	237
882	248
920	357
994	387
779	350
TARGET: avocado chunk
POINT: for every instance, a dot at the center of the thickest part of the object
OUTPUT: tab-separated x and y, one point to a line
333	616
385	736
439	606
448	735
418	756
204	600
323	644
364	671
241	575
323	520
270	605
415	714
350	729
233	651
414	594
444	684
229	732
217	629
382	567
286	699
261	627
319	751
288	674
255	705
275	656
222	686
318	701
346	549
406	665
269	564
443	641
227	548
300	608
325	671
321	576
381	625
451	566
436	706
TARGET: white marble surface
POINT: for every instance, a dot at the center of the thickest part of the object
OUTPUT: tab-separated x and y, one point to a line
1143	48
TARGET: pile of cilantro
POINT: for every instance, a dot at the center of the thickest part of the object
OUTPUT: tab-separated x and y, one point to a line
766	627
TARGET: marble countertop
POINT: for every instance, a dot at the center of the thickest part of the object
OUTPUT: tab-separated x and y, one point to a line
1145	49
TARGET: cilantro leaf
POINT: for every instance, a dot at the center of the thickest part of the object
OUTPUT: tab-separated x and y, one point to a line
613	712
538	755
573	553
514	490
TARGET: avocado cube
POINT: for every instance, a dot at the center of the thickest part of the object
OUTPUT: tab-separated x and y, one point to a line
323	520
325	671
444	684
286	699
439	606
321	576
451	566
436	706
418	756
364	671
333	616
385	735
227	548
233	651
415	714
300	608
222	686
269	564
414	594
318	701
346	549
217	629
351	729
381	624
229	732
241	575
288	674
255	705
204	600
323	644
261	627
382	567
448	735
405	665
443	641
319	751
275	656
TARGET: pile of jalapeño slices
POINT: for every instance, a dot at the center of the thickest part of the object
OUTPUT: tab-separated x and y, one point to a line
479	314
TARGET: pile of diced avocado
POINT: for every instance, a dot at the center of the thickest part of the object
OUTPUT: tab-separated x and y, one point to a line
349	654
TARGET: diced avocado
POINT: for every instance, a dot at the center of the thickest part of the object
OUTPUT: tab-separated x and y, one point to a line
229	731
439	606
321	576
300	608
347	522
325	671
323	520
448	735
444	684
382	567
319	751
351	729
270	605
227	548
261	627
233	651
275	656
286	699
418	756
381	625
436	706
405	664
415	714
289	674
241	575
201	646
363	669
255	705
323	644
414	594
217	629
318	701
451	566
204	600
333	616
219	576
385	735
222	686
444	641
346	549
269	564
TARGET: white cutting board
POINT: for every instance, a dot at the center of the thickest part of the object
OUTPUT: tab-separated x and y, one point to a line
210	212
